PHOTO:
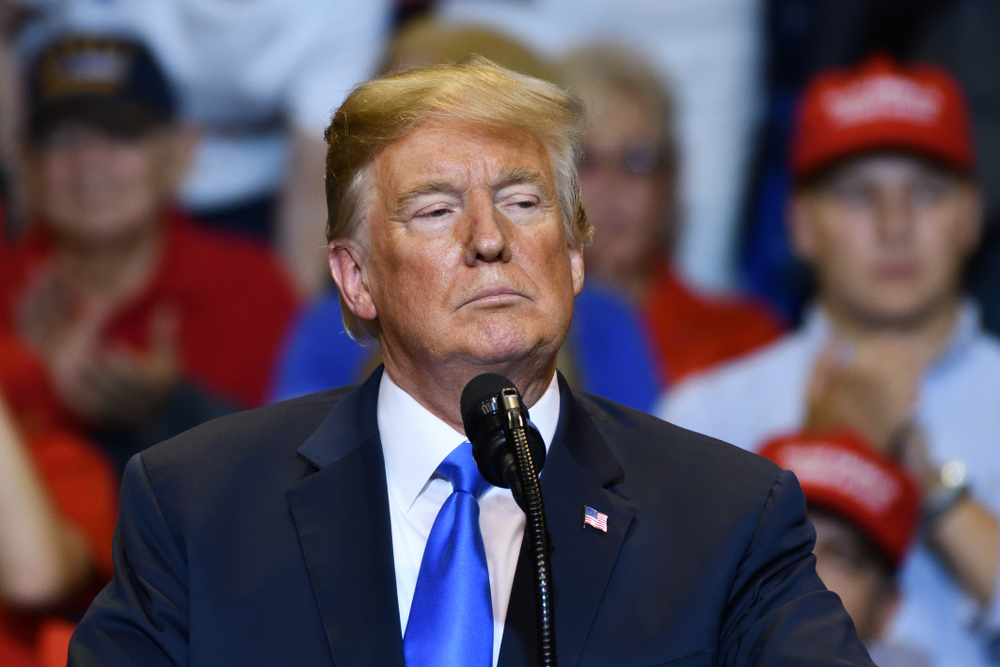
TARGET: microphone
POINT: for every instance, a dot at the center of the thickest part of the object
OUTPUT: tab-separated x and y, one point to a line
494	415
509	452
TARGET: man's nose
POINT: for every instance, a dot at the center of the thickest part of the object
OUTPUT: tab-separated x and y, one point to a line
90	155
895	217
487	231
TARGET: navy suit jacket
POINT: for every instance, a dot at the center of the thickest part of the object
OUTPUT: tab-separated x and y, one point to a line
263	538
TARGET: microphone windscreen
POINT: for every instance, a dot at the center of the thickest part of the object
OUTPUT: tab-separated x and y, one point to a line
480	389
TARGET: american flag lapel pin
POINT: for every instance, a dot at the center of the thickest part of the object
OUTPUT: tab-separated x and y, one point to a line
595	519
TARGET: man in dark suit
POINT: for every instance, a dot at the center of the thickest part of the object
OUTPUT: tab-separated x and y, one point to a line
350	527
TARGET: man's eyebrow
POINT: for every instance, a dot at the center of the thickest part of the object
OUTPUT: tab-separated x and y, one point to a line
522	176
507	178
429	188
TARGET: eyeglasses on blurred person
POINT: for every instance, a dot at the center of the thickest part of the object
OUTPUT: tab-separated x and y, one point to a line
628	177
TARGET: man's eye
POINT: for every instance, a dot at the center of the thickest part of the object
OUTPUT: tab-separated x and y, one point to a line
433	213
525	203
855	194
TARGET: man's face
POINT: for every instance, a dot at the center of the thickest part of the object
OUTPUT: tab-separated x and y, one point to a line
624	187
888	236
468	258
97	188
847	566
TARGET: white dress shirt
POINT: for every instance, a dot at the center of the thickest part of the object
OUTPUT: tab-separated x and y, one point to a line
414	443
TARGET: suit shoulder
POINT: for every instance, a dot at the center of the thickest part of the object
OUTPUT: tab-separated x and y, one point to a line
704	485
645	440
269	431
607	411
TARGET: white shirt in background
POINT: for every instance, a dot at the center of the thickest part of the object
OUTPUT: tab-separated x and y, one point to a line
414	443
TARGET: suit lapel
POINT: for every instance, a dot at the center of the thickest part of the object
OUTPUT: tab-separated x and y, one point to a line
341	514
578	473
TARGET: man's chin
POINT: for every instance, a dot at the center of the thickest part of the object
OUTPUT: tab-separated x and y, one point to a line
499	344
497	353
901	313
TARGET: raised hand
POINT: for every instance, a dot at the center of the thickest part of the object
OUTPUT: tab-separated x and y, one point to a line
871	387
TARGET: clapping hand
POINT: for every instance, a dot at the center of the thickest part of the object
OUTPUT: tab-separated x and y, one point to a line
105	385
871	387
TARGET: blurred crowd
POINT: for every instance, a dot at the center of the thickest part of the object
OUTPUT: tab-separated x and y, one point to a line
797	251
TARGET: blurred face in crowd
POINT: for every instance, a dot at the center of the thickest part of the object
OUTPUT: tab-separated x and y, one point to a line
888	235
625	189
96	188
468	258
850	567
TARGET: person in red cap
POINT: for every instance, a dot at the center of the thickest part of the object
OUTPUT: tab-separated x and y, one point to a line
886	210
864	507
148	323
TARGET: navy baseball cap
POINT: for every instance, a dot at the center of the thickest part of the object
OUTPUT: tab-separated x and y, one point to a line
113	83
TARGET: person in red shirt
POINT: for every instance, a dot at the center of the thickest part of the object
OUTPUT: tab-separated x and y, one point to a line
57	510
148	323
628	179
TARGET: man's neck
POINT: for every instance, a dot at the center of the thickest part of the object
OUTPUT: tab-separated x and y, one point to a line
931	331
636	279
439	388
111	272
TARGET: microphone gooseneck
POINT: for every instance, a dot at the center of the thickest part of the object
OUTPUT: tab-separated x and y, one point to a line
510	452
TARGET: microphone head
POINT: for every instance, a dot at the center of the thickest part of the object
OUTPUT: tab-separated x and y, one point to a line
488	403
481	390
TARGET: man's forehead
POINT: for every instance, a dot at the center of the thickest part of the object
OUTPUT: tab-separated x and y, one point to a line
440	155
888	166
832	528
457	183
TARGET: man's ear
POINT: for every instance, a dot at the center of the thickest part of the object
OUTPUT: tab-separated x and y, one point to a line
576	267
32	179
972	229
801	229
348	271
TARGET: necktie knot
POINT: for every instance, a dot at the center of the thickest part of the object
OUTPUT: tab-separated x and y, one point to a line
461	470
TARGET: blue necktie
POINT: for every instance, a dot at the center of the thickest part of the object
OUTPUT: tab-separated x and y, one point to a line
451	618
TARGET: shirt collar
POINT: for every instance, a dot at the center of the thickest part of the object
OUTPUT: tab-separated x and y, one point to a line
967	328
415	441
816	329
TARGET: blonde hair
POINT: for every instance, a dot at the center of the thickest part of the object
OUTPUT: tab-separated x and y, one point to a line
383	110
597	73
432	41
603	72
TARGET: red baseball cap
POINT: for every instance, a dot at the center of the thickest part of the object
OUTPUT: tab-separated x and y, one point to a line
842	473
881	105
